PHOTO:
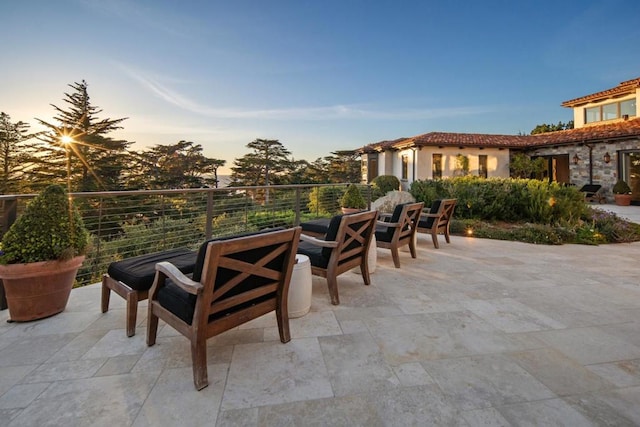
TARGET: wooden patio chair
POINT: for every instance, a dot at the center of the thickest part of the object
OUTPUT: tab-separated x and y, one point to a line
344	247
399	230
437	220
234	281
593	193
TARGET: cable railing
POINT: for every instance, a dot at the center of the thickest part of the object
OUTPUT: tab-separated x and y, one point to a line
129	223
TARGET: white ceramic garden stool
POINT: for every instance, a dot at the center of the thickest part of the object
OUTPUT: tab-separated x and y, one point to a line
299	300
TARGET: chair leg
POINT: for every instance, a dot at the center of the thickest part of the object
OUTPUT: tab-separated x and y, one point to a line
152	327
434	237
412	247
364	269
132	313
396	257
332	283
106	293
199	361
446	234
283	324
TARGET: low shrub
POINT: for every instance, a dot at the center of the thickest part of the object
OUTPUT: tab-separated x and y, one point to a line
612	228
505	199
353	198
382	184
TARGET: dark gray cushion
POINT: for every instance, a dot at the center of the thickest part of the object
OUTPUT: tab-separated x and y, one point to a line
314	252
197	271
332	232
385	234
318	255
318	226
138	272
428	223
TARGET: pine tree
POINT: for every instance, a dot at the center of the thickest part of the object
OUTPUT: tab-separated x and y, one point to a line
180	165
15	154
266	165
97	161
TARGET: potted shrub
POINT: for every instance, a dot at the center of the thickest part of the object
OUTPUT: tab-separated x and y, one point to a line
622	193
41	254
352	200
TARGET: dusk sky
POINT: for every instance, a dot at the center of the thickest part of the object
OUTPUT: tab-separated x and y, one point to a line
318	75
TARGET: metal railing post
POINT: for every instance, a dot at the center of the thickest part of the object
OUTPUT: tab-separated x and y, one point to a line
10	213
296	221
208	227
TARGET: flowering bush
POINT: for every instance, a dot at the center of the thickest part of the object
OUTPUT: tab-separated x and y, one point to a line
613	228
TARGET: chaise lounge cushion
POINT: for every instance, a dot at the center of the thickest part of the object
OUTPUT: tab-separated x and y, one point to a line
138	272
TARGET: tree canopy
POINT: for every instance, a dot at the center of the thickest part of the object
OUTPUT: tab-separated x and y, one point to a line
179	165
543	128
96	161
15	153
77	148
266	164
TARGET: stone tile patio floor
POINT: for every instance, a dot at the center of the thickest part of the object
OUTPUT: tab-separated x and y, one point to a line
479	332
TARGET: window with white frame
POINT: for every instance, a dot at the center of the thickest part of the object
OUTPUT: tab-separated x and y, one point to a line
610	111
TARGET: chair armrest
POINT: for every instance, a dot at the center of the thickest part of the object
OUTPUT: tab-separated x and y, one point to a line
388	224
384	215
429	215
318	242
177	277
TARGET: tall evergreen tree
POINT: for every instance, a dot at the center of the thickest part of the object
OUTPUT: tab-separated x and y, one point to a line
97	161
343	166
15	154
265	165
180	165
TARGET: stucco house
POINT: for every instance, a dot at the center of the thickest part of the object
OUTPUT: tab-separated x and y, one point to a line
604	145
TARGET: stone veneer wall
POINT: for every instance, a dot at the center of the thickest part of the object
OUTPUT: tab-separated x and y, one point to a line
603	173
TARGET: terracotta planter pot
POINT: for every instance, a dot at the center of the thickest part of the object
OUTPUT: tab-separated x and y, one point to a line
622	199
39	289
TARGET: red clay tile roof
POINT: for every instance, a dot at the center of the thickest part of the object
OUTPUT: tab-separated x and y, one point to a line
621	129
624	88
448	139
618	130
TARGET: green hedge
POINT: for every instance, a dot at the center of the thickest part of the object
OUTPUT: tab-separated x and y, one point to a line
505	199
382	184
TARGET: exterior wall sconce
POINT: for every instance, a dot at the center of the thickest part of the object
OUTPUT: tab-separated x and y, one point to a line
607	157
576	159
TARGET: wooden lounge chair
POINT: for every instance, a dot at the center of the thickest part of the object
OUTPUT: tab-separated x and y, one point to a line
593	193
399	230
234	281
344	247
437	220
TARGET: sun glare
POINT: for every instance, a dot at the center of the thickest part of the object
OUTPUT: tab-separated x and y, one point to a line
66	139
